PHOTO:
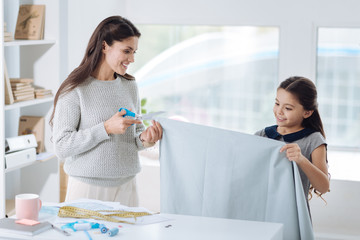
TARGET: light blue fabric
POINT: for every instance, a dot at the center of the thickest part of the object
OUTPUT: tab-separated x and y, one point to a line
213	172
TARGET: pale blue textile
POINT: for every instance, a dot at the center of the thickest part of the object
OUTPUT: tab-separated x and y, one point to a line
212	172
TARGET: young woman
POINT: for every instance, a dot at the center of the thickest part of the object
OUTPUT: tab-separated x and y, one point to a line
99	144
300	126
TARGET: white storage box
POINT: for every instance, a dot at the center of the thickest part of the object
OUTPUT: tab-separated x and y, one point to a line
15	159
20	142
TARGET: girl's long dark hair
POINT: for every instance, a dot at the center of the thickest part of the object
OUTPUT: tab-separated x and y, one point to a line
114	28
305	90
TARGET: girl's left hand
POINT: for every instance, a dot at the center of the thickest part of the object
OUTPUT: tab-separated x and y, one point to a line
153	133
293	152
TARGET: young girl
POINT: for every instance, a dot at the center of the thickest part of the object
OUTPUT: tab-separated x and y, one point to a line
299	126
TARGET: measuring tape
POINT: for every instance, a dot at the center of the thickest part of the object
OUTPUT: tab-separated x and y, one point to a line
75	212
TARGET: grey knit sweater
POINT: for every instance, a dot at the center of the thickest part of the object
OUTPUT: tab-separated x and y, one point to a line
79	134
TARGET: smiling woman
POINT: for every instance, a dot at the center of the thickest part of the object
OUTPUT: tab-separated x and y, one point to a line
99	144
118	56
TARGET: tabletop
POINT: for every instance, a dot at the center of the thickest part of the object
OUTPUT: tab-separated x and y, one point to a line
177	227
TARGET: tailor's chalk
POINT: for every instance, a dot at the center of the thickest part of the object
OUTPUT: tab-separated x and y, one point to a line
82	226
113	232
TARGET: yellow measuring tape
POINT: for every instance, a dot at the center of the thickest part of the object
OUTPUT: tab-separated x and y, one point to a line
75	212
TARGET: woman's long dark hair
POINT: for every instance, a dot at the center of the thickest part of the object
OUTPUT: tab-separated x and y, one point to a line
305	90
115	28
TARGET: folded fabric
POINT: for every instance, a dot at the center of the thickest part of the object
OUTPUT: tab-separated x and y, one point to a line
213	172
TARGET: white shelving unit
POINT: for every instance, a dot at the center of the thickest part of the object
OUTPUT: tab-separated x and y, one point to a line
40	60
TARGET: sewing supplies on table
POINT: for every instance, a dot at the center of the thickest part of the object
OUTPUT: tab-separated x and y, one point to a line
80	226
60	230
112	232
103	228
110	212
148	116
85	226
107	215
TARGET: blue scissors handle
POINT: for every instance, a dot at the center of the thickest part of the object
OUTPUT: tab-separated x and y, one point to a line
128	112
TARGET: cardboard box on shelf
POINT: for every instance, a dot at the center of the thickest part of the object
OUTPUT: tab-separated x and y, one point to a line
34	125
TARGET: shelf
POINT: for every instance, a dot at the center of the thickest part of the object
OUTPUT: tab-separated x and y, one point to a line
42	159
36	59
28	103
29	42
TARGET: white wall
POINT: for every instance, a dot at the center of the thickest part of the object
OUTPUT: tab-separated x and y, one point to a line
340	216
298	22
82	18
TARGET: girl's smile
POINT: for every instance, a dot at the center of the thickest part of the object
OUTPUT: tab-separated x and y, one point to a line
289	113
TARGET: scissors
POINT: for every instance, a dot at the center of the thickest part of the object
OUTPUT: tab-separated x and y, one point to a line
149	116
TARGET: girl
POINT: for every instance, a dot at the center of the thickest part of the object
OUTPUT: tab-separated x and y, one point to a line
299	125
99	144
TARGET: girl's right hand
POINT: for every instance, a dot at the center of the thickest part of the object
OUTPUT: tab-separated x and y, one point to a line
293	152
117	124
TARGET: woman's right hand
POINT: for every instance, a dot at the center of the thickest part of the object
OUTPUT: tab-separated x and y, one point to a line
118	124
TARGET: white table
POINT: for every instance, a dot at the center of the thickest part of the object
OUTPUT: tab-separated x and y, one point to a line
181	228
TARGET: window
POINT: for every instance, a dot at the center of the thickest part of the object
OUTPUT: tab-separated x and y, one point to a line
338	83
226	77
221	76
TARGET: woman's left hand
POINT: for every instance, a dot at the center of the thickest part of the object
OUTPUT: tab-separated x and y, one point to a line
293	152
153	133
